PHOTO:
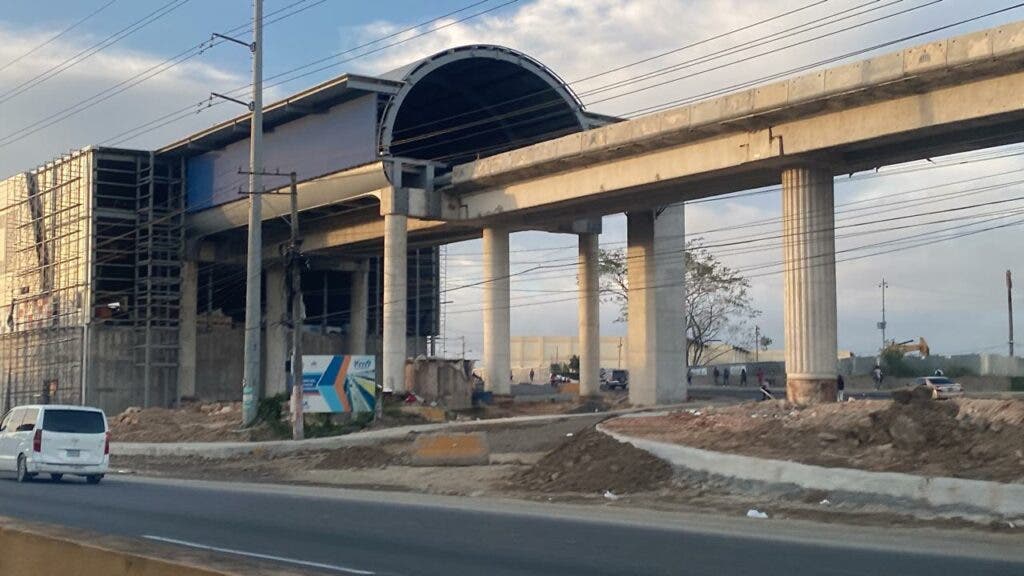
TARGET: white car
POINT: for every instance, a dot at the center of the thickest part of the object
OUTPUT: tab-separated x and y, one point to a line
55	440
941	387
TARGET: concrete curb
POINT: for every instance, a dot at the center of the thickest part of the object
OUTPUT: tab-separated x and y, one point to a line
231	449
954	495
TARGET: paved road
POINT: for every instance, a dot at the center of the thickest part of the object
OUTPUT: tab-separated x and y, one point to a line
362	532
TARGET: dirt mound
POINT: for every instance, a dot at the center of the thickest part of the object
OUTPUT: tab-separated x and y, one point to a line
968	439
191	423
594	462
357	457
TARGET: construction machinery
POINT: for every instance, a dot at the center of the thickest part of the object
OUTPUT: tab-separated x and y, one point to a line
909	347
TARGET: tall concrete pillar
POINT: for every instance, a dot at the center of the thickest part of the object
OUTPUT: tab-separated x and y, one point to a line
589	316
188	308
497	319
656	329
359	308
809	256
395	295
276	334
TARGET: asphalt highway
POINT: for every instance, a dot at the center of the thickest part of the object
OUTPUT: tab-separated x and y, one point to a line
356	532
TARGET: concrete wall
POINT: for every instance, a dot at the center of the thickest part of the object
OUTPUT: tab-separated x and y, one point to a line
975	364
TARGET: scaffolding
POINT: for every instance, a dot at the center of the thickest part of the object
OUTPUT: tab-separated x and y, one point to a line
159	238
90	241
44	229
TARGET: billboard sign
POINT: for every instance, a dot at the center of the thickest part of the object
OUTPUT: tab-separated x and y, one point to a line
339	383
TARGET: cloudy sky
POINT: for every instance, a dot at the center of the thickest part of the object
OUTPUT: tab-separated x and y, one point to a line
951	292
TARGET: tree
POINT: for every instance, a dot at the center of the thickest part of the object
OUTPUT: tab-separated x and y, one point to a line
765	342
717	299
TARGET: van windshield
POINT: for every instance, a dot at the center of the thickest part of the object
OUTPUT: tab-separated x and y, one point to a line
74	421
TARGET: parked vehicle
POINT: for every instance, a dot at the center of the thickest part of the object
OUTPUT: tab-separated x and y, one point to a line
616	379
941	387
55	440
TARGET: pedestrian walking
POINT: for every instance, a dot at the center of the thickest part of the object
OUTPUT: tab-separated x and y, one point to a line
877	376
689	376
760	376
531	375
725	376
840	387
715	374
743	376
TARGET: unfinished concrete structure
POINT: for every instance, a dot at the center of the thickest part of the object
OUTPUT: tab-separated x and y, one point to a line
483	141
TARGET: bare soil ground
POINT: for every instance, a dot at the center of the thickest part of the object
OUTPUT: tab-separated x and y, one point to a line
967	438
221	421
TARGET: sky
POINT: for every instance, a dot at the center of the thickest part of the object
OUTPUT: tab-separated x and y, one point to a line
951	292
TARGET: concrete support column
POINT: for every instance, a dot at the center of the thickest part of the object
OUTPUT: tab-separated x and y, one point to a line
589	316
277	341
359	308
187	311
497	319
395	295
809	256
656	329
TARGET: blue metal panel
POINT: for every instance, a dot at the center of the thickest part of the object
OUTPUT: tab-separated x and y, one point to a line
314	145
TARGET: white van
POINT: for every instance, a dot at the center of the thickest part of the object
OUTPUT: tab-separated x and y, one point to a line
55	440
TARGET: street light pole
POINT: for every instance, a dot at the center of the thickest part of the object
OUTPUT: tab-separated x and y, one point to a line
1009	306
251	377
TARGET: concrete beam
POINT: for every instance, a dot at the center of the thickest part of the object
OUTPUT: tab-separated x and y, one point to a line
961	60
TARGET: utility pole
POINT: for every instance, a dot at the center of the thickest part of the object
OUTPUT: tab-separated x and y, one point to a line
252	381
620	353
757	343
1009	306
882	324
294	263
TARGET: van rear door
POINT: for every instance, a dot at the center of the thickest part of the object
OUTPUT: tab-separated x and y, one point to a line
74	436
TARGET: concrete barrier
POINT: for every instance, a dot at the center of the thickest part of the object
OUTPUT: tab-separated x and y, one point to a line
43	551
946	496
467	449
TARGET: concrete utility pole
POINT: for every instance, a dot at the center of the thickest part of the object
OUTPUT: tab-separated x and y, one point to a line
251	377
298	430
757	343
882	325
1009	306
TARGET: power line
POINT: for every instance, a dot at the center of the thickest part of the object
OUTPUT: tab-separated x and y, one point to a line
114	38
57	36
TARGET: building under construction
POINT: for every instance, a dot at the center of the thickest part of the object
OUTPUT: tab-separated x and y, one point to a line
123	271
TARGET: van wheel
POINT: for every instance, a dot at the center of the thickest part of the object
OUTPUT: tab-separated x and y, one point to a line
23	475
56	477
94	478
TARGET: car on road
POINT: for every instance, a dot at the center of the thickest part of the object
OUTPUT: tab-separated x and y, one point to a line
941	387
616	379
55	440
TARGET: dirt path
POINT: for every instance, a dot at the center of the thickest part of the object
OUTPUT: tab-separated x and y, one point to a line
978	439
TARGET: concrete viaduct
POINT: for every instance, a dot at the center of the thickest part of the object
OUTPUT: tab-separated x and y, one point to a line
943	97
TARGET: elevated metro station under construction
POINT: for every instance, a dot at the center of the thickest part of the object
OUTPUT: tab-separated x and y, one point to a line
122	272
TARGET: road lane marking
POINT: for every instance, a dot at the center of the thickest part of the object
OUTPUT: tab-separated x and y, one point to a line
333	567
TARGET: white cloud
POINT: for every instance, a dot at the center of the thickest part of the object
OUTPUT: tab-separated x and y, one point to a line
188	82
946	291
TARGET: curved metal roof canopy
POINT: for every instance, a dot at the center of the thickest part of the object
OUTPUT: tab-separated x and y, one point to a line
475	101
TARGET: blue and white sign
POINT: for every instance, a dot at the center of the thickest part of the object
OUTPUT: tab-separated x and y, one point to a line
339	384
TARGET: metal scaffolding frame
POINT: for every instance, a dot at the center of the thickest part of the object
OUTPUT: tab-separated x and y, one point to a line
44	217
93	238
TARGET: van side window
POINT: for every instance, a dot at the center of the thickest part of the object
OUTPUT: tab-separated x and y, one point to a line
14	419
28	423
